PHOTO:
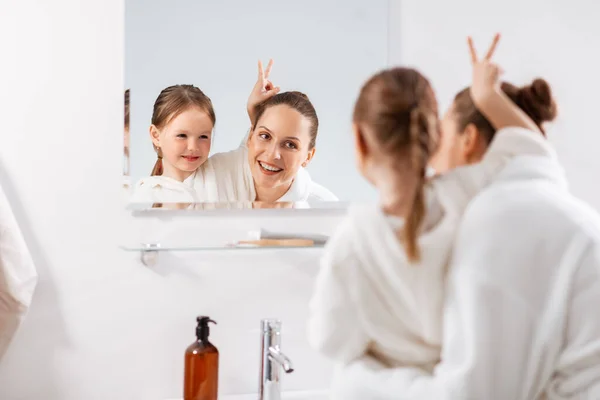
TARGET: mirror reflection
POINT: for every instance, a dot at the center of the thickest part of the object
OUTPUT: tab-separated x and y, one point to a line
249	104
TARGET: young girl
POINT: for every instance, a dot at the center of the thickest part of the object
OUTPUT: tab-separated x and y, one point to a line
182	123
380	288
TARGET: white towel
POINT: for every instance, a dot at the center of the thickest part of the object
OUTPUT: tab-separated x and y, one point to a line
18	276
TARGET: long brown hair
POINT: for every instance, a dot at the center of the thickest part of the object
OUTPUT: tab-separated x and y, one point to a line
534	99
299	102
171	102
398	108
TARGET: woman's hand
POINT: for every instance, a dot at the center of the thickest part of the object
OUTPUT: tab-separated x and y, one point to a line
262	90
486	74
488	96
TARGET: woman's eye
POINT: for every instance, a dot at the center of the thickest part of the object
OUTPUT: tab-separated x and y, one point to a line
264	136
291	145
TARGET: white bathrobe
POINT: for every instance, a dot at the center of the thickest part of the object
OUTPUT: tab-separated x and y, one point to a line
224	177
370	298
521	319
162	189
18	276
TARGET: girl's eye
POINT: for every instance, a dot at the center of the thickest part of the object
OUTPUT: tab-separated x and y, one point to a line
182	136
204	137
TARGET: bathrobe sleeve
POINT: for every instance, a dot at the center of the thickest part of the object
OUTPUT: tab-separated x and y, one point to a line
333	327
18	276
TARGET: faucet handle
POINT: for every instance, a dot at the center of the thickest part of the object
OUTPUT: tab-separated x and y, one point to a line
271	325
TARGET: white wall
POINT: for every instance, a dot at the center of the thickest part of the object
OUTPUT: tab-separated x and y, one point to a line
104	327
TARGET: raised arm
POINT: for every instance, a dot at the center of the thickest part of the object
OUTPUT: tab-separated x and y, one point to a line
487	95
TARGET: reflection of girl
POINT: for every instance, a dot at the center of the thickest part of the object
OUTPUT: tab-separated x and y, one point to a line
380	290
182	123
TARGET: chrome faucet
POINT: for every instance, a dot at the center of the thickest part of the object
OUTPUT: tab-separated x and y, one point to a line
272	360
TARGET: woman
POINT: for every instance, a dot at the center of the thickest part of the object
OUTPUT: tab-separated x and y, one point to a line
270	167
369	300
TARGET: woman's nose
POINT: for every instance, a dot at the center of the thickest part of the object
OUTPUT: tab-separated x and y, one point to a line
273	151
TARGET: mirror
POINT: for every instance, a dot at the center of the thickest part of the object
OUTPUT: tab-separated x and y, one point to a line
195	143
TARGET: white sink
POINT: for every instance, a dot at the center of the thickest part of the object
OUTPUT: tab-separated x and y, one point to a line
303	395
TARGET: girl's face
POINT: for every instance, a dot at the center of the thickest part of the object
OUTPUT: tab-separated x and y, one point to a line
184	142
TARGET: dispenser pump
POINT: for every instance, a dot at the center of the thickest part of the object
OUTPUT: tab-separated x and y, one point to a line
202	329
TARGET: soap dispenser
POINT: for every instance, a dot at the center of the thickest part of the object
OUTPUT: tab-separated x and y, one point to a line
201	372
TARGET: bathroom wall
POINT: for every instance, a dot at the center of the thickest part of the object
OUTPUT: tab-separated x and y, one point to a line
103	326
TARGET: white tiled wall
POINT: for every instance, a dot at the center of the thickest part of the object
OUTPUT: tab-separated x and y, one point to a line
103	326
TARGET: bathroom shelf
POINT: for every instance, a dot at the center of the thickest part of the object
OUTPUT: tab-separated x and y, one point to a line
149	251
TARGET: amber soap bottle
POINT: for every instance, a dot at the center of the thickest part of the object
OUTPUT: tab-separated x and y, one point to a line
201	372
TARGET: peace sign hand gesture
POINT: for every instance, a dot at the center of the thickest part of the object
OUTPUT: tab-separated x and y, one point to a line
263	89
488	96
486	74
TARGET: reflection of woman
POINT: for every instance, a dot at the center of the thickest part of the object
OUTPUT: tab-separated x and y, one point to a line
182	123
370	302
270	167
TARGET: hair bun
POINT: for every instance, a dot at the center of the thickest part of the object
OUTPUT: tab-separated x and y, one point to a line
537	101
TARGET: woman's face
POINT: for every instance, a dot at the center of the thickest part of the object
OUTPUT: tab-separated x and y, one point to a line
457	148
278	147
185	142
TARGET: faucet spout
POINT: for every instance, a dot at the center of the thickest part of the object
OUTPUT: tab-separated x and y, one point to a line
281	359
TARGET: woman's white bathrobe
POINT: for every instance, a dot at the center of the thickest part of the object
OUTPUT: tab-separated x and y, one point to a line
18	276
224	177
369	299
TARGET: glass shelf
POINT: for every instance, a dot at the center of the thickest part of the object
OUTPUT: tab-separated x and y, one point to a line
149	252
154	248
